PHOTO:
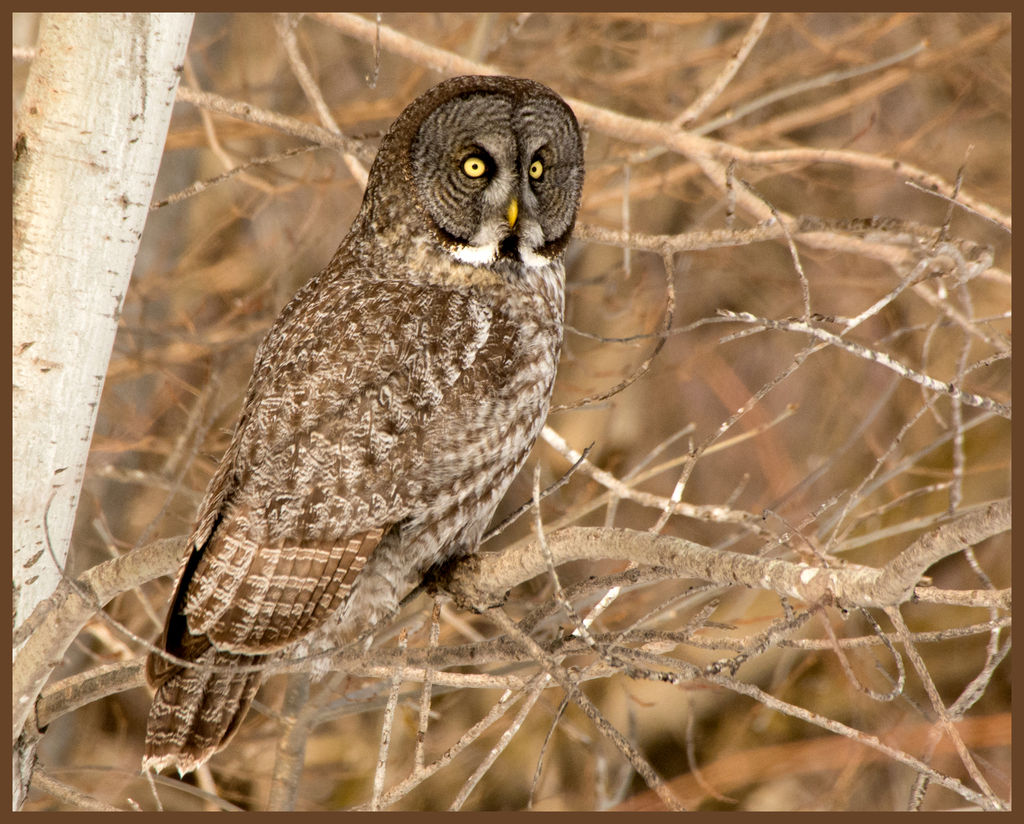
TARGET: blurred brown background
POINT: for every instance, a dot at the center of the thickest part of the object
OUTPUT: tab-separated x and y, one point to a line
843	456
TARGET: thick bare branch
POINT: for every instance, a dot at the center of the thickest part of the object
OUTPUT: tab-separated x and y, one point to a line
486	576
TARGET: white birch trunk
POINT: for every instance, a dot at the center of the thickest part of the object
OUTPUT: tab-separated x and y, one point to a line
87	148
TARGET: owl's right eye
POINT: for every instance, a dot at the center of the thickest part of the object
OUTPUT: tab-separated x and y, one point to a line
474	166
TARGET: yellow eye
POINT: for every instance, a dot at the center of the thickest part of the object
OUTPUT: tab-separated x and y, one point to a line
536	169
474	166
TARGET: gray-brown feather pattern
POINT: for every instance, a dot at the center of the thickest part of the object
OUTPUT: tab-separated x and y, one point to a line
390	406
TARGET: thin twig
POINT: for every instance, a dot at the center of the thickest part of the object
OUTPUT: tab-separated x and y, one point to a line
291	745
697	107
940	708
424	721
44	782
640	764
386	727
286	30
500	746
883	358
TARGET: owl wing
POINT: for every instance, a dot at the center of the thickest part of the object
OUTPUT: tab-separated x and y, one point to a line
331	452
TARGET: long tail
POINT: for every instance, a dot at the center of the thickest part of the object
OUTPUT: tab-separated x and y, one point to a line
197	709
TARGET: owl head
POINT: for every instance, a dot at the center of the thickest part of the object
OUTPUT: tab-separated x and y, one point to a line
490	167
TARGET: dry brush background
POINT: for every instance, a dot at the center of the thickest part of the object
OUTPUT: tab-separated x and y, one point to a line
827	392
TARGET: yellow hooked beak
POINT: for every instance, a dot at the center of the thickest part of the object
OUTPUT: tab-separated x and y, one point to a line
513	213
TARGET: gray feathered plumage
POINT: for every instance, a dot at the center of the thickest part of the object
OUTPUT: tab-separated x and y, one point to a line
390	405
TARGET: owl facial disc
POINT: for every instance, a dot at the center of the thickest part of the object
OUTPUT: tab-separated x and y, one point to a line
498	172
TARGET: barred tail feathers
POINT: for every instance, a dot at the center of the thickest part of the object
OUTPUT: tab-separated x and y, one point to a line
196	710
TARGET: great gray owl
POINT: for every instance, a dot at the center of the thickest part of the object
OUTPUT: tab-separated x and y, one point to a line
390	405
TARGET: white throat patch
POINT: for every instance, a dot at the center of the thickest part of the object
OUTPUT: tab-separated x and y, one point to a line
487	253
476	255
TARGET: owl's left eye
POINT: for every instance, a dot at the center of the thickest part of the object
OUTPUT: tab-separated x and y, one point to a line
536	169
474	166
